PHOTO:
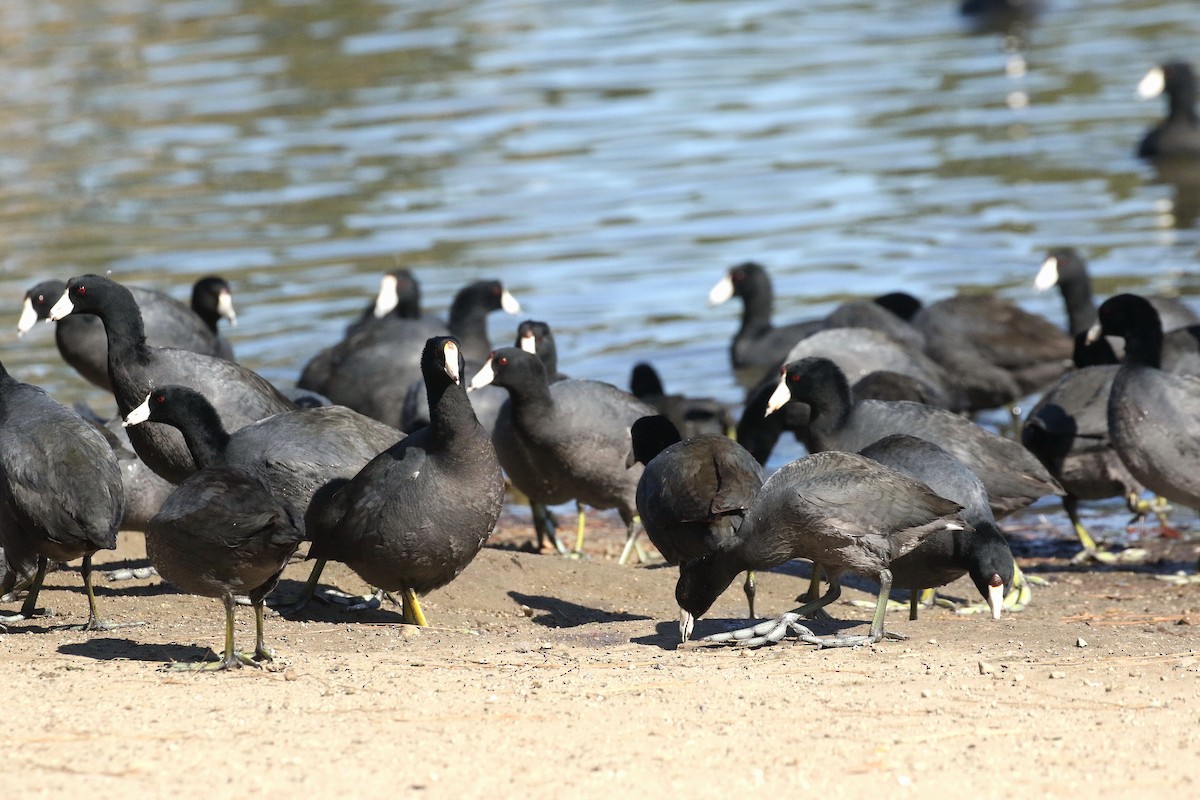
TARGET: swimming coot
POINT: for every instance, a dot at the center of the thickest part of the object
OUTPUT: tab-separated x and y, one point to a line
1177	136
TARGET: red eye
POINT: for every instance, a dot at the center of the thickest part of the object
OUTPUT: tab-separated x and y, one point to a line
503	361
794	378
82	290
160	399
41	298
737	277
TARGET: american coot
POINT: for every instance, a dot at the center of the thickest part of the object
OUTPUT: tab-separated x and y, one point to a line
842	511
222	533
296	454
981	339
212	300
758	342
1151	413
1065	268
692	416
1014	478
1179	134
166	323
534	336
565	441
413	518
240	395
372	371
60	491
399	295
694	492
979	549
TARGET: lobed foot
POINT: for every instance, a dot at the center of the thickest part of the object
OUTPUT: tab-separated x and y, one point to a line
768	632
103	625
228	661
127	574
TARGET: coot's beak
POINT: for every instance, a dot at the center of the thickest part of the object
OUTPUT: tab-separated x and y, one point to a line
225	307
482	378
1153	84
630	459
62	308
139	414
780	397
450	353
388	297
721	292
529	344
686	623
509	303
28	318
1047	276
1094	333
995	598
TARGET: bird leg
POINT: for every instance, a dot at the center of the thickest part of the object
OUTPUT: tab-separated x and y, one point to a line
546	526
773	630
261	651
814	592
293	604
749	588
231	658
94	623
413	615
877	632
29	607
1158	507
631	540
579	527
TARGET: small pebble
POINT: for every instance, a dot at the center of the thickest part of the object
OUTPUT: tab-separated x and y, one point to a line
1058	674
1081	642
986	669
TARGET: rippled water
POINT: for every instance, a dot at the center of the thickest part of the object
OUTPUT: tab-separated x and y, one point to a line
606	160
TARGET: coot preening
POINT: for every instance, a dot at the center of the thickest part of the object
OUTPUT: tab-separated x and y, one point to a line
60	491
222	533
564	441
842	511
296	454
1151	413
1014	478
1178	135
240	395
166	323
416	515
978	550
694	492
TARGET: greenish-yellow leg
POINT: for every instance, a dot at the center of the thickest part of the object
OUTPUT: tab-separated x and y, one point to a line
413	615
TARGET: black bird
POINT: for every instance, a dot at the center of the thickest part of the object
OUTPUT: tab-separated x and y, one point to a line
534	336
694	492
212	300
60	491
372	370
842	511
1179	134
413	518
240	395
166	323
399	296
1151	413
1014	478
758	342
296	454
692	416
222	533
979	549
564	441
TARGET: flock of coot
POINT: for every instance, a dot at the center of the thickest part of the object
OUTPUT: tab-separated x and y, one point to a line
391	453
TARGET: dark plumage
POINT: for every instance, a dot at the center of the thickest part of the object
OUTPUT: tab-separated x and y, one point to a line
166	323
537	338
239	395
842	511
144	491
1011	474
372	370
1151	413
567	440
1178	135
222	533
414	517
212	300
60	490
979	549
399	296
693	493
758	342
691	415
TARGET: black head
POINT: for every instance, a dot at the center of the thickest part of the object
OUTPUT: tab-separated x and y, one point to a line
170	405
651	435
399	295
748	277
1096	353
1175	79
485	296
442	365
701	582
902	304
809	380
645	382
1128	315
44	295
1062	265
212	299
508	367
991	566
90	294
535	337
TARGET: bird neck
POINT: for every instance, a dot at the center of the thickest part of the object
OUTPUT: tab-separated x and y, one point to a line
205	436
758	304
1081	308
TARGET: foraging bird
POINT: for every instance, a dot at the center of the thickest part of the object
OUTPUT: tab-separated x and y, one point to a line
694	492
60	491
842	511
415	516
